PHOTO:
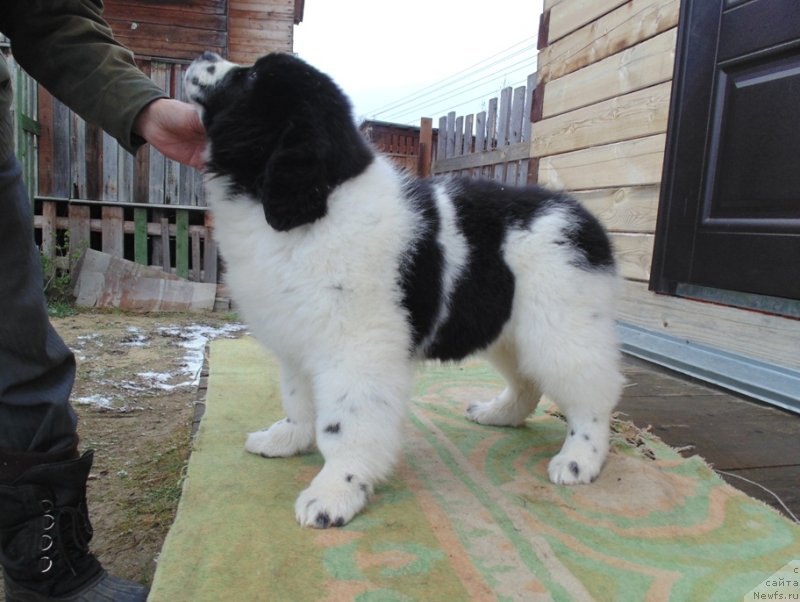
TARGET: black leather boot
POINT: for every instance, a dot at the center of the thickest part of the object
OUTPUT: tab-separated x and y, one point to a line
44	539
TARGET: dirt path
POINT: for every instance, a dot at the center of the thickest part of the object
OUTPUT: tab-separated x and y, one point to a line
134	394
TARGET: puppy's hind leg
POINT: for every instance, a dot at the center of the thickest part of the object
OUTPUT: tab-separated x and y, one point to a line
583	378
359	432
295	433
517	401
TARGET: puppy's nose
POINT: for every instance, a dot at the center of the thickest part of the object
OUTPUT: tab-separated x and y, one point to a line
209	56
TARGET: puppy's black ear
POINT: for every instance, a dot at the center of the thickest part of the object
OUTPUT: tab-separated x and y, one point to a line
295	190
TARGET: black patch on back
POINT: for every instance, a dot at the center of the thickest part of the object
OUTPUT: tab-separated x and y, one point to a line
421	268
481	301
590	240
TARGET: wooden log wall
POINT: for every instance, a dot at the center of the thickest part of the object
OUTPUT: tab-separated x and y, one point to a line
494	143
602	101
600	119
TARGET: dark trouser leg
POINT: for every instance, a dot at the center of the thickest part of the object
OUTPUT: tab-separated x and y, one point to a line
44	521
37	369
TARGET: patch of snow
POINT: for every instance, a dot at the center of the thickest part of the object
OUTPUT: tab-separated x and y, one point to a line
135	337
95	400
194	339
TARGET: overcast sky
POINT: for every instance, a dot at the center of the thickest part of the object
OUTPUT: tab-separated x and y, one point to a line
423	56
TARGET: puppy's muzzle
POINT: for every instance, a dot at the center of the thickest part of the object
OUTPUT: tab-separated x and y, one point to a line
204	72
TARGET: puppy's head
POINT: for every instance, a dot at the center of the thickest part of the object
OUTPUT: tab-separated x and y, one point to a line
281	130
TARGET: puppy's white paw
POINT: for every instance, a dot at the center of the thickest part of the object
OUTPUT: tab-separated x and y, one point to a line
283	439
578	462
494	413
507	409
331	500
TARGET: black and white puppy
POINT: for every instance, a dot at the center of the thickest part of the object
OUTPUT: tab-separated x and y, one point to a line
349	271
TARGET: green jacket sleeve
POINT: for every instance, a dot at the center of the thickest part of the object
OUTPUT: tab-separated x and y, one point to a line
68	48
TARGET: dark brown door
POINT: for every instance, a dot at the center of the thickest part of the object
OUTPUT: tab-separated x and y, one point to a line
729	216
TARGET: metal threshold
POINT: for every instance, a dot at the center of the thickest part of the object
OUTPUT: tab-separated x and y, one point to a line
775	385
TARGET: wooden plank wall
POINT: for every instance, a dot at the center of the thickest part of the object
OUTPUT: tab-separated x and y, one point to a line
169	29
24	112
260	26
494	143
600	119
146	208
605	72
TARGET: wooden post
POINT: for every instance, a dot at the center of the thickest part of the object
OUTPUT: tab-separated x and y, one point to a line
210	256
112	235
79	228
49	229
182	243
425	147
166	261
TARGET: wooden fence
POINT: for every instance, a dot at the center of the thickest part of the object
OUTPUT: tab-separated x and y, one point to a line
494	143
89	192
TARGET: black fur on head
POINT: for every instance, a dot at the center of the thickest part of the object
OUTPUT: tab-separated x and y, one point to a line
284	133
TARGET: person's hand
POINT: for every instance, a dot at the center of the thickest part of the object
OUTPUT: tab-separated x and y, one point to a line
174	128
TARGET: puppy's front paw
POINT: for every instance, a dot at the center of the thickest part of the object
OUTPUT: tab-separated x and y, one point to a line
283	439
577	464
331	501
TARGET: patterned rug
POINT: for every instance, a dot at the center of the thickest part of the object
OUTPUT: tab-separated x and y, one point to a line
469	514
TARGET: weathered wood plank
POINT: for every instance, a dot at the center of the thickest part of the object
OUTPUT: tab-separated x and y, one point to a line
503	129
569	16
166	257
441	141
480	132
48	226
94	161
79	228
625	209
631	23
450	135
61	148
128	227
182	243
634	254
210	255
125	176
46	149
458	148
77	148
630	163
504	154
110	190
736	330
196	272
425	147
491	134
644	65
112	237
635	115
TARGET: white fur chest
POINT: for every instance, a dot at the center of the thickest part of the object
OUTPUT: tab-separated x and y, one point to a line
298	289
